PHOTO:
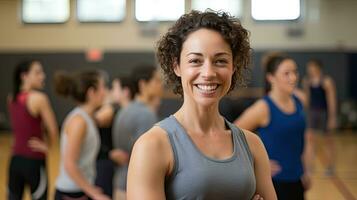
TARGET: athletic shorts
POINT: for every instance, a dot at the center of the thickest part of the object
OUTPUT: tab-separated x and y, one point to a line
289	190
105	175
26	171
59	195
317	120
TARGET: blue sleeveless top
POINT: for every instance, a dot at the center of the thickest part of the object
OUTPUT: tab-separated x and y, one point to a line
198	177
318	97
283	139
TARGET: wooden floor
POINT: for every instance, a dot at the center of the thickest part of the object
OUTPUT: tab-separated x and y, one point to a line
342	186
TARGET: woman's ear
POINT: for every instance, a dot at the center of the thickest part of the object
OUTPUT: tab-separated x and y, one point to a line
23	76
141	84
177	69
269	77
90	92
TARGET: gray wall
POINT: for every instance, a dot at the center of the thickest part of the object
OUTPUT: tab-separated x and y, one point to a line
336	65
114	63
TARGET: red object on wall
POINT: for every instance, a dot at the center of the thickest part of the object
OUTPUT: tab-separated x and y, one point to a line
94	55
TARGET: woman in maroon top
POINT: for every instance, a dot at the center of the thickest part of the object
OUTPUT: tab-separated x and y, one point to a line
30	111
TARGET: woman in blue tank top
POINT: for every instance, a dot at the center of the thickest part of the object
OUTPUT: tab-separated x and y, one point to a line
280	121
196	153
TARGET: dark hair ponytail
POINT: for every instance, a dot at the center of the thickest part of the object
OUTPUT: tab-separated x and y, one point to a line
22	67
76	85
271	62
63	83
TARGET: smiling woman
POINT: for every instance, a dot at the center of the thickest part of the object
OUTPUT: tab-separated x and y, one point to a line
205	67
196	153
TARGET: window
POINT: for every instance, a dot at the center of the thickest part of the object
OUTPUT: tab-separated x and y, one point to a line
159	10
275	9
234	7
45	11
101	10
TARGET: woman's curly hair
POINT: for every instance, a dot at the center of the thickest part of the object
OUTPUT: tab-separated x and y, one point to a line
170	45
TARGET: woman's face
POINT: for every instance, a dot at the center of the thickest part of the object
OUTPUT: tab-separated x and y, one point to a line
206	67
100	92
35	77
313	70
153	87
119	93
285	77
116	90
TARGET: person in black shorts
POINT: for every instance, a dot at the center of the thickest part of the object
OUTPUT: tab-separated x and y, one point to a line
108	158
30	110
321	93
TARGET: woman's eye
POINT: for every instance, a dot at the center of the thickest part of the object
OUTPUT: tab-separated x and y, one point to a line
221	62
194	61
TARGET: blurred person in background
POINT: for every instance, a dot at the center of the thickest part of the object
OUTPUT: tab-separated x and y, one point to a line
279	119
80	141
108	159
137	117
321	92
30	111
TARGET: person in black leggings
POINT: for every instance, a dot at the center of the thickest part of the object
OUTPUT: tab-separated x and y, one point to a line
30	110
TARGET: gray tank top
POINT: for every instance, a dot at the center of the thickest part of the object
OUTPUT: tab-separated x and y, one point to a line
87	157
198	177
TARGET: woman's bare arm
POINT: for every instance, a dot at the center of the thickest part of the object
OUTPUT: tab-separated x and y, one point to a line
331	102
76	132
104	116
39	105
264	184
253	117
150	163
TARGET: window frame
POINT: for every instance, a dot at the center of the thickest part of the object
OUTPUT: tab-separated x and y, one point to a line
100	21
158	21
277	20
240	17
22	9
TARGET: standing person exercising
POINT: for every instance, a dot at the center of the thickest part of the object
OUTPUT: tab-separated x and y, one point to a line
80	140
279	119
30	110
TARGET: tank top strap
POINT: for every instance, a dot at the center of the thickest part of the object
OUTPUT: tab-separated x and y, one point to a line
240	140
271	104
298	103
174	130
267	99
22	97
84	114
170	126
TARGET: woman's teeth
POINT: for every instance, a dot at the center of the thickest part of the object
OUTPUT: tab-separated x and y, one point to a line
207	88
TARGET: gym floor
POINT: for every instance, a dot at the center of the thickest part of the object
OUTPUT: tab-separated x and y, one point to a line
342	186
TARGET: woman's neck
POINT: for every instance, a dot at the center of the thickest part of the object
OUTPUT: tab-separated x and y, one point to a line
25	88
142	99
88	108
279	95
124	102
200	119
316	79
